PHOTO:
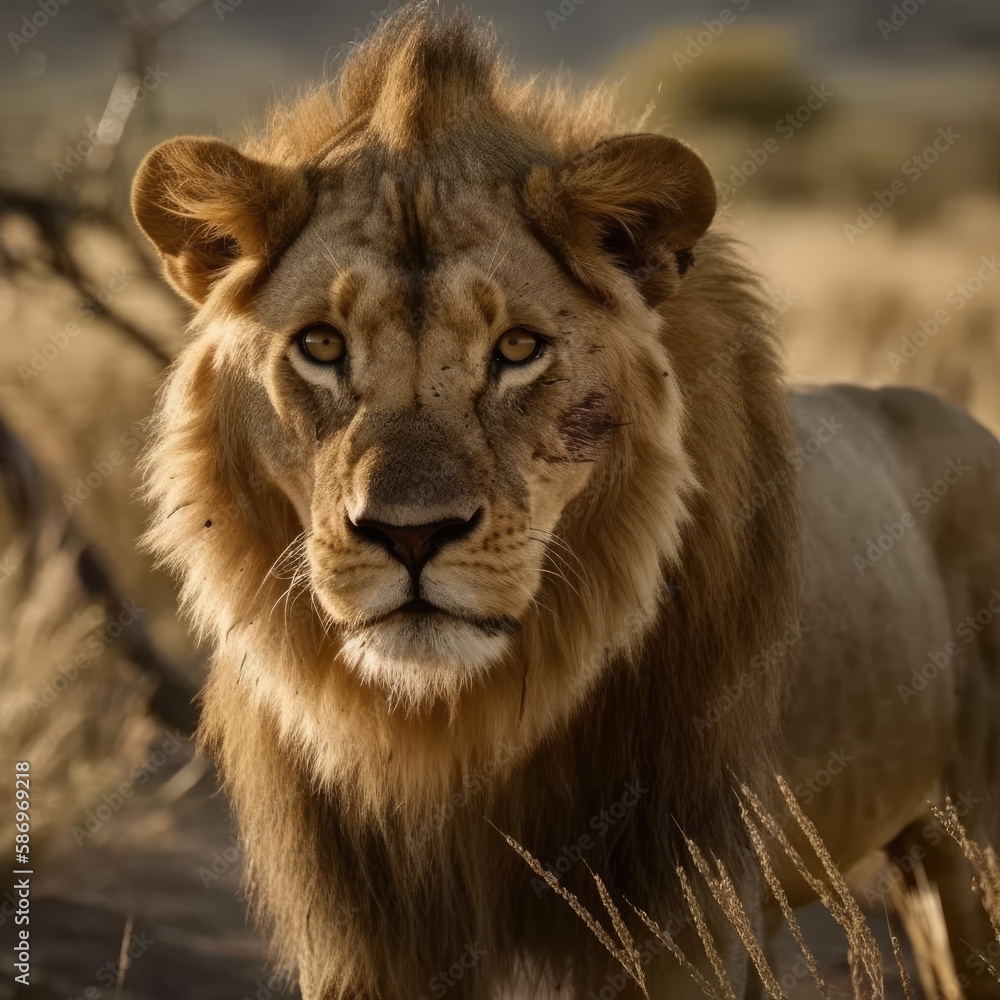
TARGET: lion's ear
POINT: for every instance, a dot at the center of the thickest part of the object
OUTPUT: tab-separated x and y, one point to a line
205	205
637	202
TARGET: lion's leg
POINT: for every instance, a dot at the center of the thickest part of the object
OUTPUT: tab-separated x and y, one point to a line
969	929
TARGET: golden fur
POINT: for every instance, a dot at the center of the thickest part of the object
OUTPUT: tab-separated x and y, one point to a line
612	583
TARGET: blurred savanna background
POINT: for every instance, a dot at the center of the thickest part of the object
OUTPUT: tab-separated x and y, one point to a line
857	150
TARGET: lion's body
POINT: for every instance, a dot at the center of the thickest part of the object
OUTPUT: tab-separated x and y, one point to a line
896	694
887	612
605	577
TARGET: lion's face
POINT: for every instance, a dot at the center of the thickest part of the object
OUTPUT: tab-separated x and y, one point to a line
430	375
429	419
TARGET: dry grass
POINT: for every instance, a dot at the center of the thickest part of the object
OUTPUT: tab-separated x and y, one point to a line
781	897
918	908
72	703
983	860
81	735
986	866
625	950
848	310
720	884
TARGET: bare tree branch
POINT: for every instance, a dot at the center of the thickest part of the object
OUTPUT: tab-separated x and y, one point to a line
53	219
35	508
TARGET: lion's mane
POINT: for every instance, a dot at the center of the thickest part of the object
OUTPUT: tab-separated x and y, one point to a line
375	829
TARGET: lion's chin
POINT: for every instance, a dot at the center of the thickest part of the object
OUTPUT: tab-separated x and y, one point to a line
419	659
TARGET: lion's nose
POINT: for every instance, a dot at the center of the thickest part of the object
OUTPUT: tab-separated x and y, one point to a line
414	544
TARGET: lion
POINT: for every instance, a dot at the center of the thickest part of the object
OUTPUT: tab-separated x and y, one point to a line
482	480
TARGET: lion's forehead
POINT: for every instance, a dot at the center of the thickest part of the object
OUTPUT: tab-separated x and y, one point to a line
397	272
416	212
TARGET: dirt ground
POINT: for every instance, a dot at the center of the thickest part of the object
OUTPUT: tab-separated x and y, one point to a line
169	867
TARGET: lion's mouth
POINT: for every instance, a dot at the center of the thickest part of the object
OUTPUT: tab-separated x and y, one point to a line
418	610
417	606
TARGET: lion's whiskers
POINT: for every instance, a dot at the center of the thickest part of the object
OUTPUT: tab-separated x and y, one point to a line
497	249
565	549
281	597
326	620
329	252
300	573
560	565
293	553
559	576
293	558
535	600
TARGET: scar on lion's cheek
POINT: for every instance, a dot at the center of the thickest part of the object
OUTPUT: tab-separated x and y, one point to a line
587	428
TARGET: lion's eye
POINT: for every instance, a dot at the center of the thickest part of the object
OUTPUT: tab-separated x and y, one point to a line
518	345
322	343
